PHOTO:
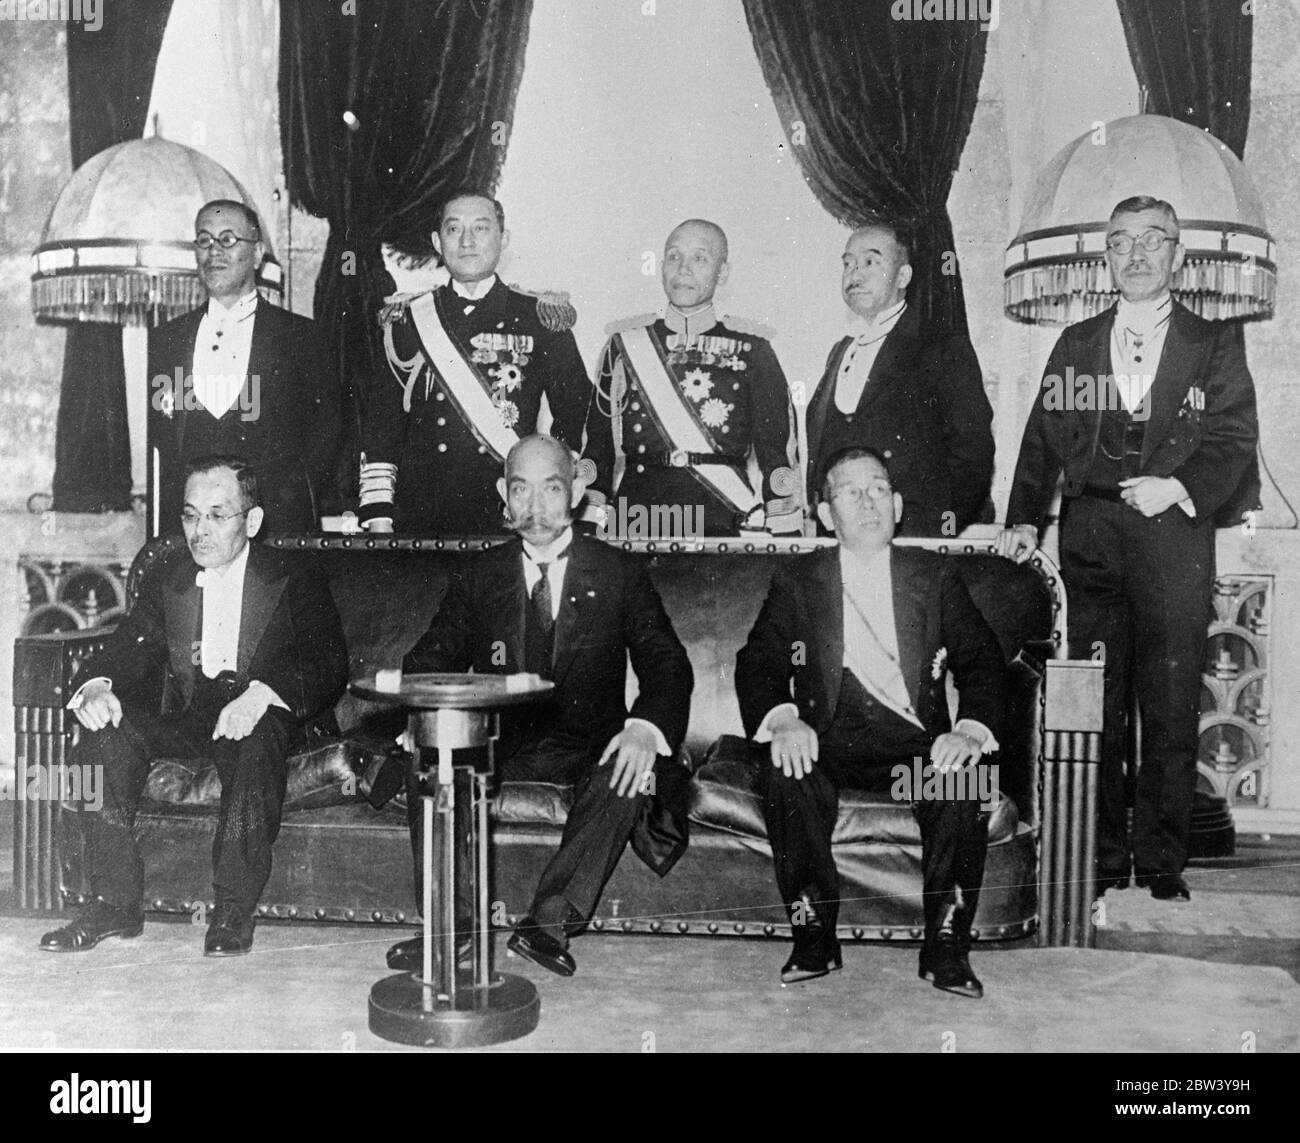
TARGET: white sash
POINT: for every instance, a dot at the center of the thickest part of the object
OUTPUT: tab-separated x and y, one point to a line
462	380
670	407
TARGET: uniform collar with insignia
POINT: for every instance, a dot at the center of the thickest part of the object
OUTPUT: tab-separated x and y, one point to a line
690	326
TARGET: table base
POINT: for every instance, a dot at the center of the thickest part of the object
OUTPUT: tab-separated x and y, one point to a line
406	1010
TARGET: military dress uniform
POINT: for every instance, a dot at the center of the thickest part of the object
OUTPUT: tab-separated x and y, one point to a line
729	395
431	458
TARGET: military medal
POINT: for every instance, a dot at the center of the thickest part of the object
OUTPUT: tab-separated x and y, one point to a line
707	349
509	377
494	348
696	384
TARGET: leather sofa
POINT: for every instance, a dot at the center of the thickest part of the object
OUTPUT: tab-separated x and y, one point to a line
340	859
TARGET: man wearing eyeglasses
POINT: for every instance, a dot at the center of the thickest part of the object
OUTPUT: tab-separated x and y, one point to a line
242	377
843	675
1149	412
254	660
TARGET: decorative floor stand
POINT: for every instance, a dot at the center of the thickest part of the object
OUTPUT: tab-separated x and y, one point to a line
446	1005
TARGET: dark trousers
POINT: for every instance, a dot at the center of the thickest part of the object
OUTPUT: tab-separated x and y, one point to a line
859	750
596	831
1140	590
253	772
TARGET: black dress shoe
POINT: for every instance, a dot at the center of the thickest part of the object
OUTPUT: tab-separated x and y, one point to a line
408	955
947	965
231	930
816	948
533	943
1165	886
806	964
96	921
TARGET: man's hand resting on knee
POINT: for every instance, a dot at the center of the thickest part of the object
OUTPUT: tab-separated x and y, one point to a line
794	746
99	706
634	750
954	750
239	716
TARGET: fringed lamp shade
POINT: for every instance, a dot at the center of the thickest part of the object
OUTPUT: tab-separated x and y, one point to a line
1056	271
118	246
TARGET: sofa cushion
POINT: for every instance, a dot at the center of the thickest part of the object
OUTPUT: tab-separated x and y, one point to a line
725	795
329	775
532	803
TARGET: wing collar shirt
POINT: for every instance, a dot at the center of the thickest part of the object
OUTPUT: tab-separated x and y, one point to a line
222	609
223	605
855	367
871	645
533	557
1137	342
221	350
223	601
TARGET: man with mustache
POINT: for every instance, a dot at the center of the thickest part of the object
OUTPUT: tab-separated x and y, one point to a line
1150	455
690	395
572	609
910	391
242	377
254	660
468	366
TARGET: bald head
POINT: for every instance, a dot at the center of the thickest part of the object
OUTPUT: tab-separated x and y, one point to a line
710	232
695	263
540	448
539	489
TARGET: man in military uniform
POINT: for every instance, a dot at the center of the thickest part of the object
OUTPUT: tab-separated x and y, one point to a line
468	364
687	398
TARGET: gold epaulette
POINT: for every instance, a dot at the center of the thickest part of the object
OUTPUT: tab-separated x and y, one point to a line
637	322
554	310
395	307
750	328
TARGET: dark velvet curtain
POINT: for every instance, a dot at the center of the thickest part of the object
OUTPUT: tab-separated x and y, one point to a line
382	114
110	79
1193	57
886	106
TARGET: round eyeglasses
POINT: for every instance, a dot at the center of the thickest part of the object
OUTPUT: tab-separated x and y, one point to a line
856	493
1150	241
226	240
217	519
